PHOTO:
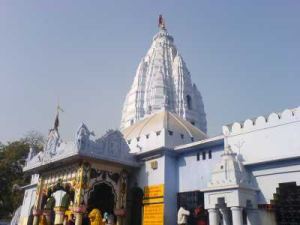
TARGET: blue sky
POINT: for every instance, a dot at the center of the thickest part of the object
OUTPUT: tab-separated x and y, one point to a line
243	56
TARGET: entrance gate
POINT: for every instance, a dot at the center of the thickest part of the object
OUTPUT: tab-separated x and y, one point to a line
102	198
194	202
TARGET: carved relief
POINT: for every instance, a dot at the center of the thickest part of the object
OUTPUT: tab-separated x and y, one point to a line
110	146
83	137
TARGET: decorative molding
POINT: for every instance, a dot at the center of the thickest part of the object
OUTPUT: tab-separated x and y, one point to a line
111	147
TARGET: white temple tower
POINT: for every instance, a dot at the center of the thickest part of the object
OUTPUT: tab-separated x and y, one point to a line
162	81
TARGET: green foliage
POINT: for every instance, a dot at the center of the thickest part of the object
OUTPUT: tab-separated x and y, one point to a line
12	159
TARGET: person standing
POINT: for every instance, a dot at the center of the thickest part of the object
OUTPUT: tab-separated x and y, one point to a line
108	218
182	215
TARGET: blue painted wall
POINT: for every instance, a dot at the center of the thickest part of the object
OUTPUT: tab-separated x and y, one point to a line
194	175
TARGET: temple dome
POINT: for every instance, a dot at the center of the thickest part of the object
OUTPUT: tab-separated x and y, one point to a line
163	129
162	80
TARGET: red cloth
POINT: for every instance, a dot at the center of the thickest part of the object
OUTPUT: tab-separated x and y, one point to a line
160	20
201	222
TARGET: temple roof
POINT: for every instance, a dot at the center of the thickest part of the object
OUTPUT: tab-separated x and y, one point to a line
163	120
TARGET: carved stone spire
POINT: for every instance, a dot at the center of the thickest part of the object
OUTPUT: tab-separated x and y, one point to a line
162	80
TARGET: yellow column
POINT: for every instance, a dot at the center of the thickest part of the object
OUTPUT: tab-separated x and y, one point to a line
78	218
37	211
78	212
78	190
59	215
47	214
79	209
36	214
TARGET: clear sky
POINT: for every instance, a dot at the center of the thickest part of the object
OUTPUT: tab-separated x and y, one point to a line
243	56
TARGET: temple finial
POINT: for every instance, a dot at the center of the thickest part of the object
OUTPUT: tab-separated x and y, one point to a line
161	22
56	122
227	147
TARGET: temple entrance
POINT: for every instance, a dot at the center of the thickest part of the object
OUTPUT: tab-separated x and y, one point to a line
287	204
194	202
102	197
137	195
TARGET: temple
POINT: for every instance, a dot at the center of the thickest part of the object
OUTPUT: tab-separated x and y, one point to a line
161	159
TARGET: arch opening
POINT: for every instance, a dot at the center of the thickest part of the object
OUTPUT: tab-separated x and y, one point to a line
102	197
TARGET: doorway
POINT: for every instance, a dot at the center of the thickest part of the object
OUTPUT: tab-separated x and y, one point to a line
194	202
102	197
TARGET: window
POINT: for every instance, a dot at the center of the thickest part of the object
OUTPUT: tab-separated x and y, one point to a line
193	123
203	155
131	122
209	154
158	133
198	156
182	136
129	141
147	136
189	102
192	139
138	138
170	132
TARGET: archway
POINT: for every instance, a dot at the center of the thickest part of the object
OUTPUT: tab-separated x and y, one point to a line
287	203
102	197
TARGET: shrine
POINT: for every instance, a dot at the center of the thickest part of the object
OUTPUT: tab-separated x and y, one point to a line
162	159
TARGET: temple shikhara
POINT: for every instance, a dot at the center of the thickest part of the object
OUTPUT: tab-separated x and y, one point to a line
162	159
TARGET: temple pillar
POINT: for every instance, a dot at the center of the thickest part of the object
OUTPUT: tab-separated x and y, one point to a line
226	216
36	214
252	217
78	212
214	217
47	214
120	211
237	215
59	215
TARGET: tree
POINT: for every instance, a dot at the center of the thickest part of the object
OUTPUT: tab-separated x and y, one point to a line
34	139
12	159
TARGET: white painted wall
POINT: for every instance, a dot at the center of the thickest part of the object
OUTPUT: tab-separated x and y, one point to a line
267	217
268	179
266	138
145	144
146	176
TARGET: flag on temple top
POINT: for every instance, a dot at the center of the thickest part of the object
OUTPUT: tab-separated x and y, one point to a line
56	122
161	21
